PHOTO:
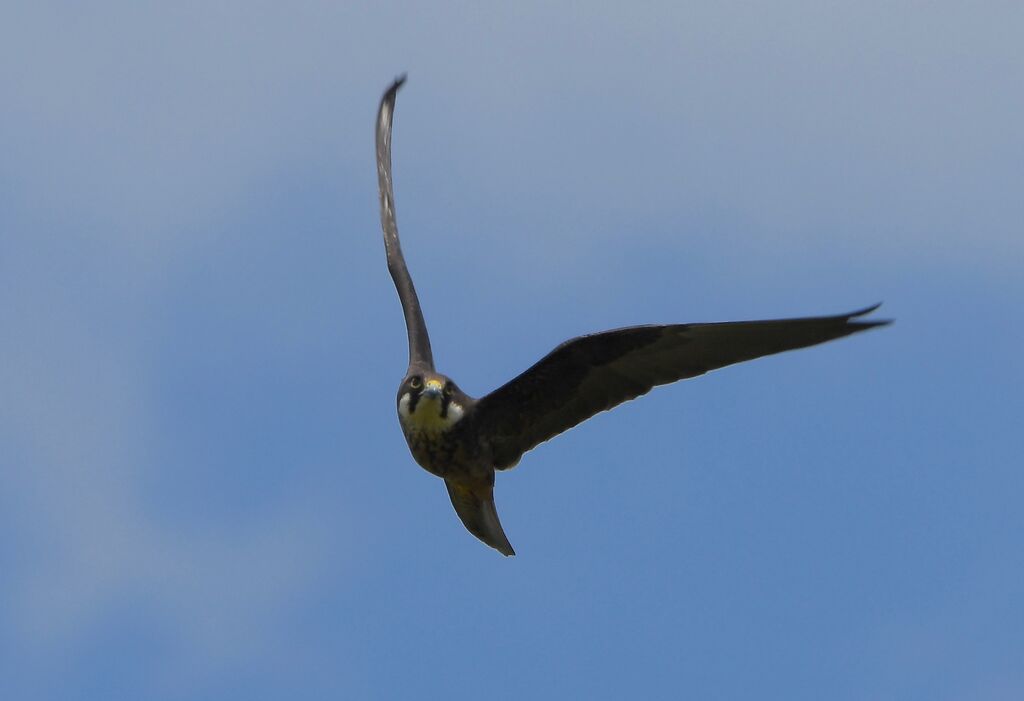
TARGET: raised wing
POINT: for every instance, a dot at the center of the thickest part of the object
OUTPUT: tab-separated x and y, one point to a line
594	373
419	343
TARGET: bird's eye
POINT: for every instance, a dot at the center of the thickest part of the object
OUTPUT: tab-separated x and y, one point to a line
416	382
449	389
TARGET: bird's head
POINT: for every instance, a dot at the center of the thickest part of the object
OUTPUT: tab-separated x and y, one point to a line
430	402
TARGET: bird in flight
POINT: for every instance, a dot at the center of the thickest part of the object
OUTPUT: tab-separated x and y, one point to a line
464	440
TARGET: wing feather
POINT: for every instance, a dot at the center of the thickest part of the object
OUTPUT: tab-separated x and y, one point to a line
420	354
597	372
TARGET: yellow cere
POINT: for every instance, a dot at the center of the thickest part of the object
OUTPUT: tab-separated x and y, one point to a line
434	384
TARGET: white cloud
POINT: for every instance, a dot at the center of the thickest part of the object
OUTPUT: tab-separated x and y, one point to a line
131	133
76	414
159	121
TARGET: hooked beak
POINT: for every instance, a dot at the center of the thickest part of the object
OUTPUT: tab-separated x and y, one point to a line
433	389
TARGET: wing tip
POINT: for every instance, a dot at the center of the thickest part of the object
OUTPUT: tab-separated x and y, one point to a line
387	100
398	82
863	325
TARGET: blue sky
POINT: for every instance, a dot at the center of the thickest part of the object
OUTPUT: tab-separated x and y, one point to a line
204	492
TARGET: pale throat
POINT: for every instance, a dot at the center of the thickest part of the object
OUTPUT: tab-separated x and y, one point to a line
426	415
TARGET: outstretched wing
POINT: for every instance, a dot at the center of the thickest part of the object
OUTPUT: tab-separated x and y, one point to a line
594	373
419	343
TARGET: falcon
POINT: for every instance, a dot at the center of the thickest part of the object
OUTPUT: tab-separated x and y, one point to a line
464	440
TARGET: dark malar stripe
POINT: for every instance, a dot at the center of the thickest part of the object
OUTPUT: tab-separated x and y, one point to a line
414	398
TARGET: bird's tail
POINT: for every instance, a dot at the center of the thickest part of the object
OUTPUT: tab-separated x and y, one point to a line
474	503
